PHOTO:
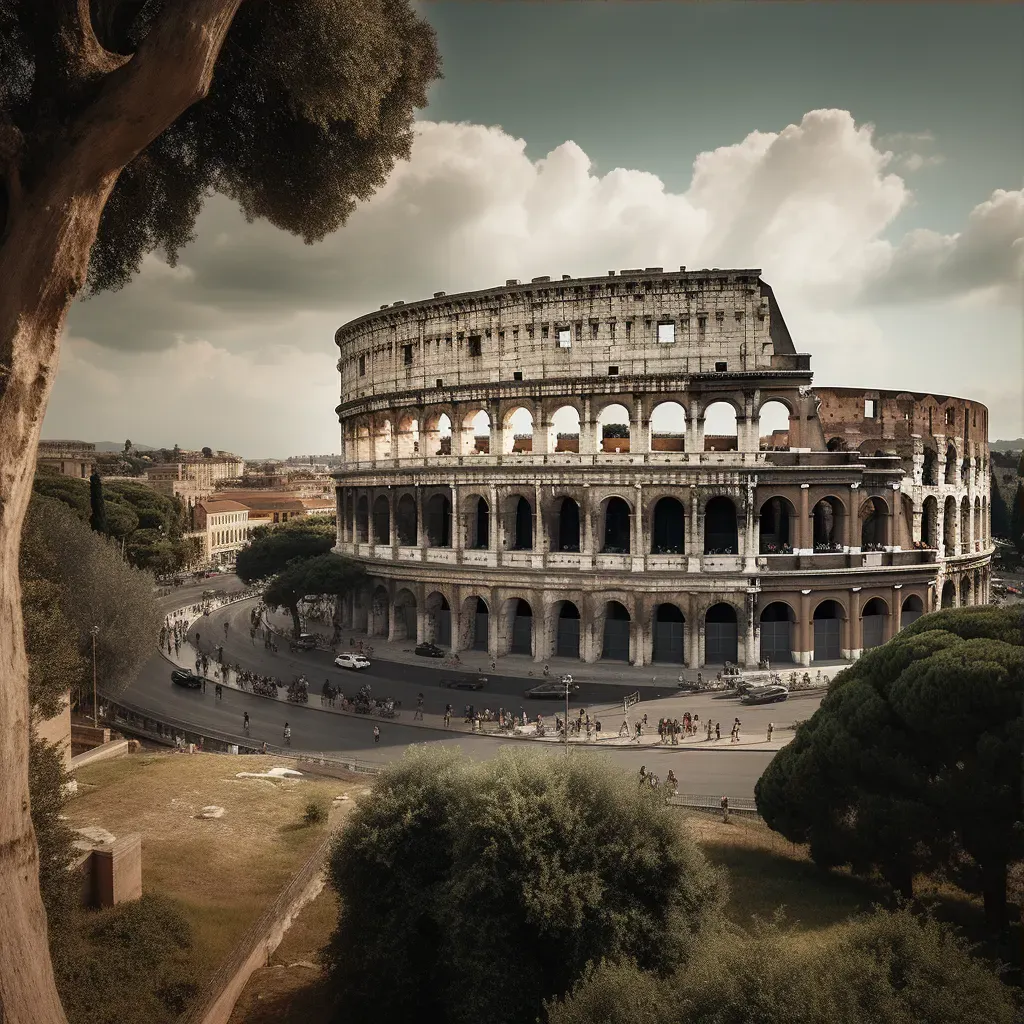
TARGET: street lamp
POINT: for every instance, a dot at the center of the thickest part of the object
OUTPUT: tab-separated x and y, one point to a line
567	683
95	706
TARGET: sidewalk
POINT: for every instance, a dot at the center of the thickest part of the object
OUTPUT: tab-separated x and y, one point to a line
521	666
655	709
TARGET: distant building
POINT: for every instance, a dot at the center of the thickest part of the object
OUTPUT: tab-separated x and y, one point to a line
194	477
225	528
69	458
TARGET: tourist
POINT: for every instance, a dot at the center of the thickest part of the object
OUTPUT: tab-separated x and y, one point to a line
376	734
245	723
771	729
287	734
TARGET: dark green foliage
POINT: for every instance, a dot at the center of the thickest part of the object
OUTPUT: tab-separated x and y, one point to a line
53	647
912	762
131	964
98	512
884	968
324	574
70	490
315	813
96	587
1000	516
1017	518
472	892
270	549
615	430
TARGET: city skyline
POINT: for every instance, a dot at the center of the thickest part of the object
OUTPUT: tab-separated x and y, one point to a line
883	208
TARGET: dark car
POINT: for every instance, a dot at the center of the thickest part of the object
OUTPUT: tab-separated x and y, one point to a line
183	677
765	695
465	683
429	650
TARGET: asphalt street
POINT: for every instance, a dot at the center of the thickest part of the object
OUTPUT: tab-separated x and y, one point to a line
700	771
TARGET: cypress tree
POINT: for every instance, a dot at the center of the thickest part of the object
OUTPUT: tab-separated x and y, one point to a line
1017	518
998	511
98	517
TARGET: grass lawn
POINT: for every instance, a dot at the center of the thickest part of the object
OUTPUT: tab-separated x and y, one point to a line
222	872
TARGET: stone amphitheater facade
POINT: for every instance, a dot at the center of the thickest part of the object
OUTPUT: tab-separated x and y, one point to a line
492	511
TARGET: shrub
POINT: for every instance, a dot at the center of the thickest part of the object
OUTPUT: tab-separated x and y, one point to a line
315	813
472	892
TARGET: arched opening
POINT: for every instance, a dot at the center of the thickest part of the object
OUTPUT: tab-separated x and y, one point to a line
668	527
669	629
668	427
948	595
439	521
565	535
777	633
965	591
567	630
380	612
564	432
616	527
874	620
951	464
828	525
949	526
773	427
930	522
407	439
613	426
476	433
615	643
720	431
721	635
837	444
519	523
965	525
383	441
977	523
873	514
721	533
439	620
521	632
517	431
405	615
437	437
911	610
363	519
381	520
828	617
776	526
405	521
930	471
477	618
478	523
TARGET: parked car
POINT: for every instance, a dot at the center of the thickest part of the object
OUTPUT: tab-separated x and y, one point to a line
550	691
427	650
689	686
765	695
184	677
352	661
305	642
465	683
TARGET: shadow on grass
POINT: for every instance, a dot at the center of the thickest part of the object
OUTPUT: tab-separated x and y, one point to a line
295	997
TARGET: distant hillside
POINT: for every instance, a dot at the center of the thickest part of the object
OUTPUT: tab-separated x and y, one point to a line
114	446
1006	446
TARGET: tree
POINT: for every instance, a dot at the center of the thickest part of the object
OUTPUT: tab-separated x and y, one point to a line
887	968
307	577
1000	520
271	548
913	759
116	120
473	892
207	453
127	447
98	516
1017	518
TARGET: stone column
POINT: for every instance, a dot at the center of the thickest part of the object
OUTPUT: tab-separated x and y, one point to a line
748	433
455	615
852	518
587	443
495	528
701	644
497	441
457	526
895	611
751	654
493	621
393	523
392	620
917	527
422	539
541	427
421	623
693	630
371	526
540	533
805	630
691	524
541	633
855	633
638	544
805	532
889	540
639	442
587	525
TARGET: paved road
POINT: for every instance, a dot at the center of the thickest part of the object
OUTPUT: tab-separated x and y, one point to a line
704	772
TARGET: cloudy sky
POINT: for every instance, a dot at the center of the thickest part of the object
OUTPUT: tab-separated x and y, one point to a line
869	158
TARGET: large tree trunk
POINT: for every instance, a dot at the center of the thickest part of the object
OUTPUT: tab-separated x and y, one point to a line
44	255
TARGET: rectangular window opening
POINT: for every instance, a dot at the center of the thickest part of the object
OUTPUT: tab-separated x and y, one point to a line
362	366
407	355
564	337
870	408
475	345
517	375
721	367
666	334
613	371
438	383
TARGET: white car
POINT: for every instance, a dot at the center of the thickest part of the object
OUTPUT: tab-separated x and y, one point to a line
352	661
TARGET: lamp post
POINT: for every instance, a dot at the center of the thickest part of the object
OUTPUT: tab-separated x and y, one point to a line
567	683
95	706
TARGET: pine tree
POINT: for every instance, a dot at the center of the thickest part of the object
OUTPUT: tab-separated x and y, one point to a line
998	511
98	517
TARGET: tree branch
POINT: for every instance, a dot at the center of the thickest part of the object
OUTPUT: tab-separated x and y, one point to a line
83	56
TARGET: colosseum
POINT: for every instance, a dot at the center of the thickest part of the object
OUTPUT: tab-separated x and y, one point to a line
638	468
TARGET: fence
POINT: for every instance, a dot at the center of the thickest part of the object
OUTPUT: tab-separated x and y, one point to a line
737	805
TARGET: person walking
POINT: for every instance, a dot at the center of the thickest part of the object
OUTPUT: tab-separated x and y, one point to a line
624	728
718	731
736	731
376	734
287	734
245	723
771	729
